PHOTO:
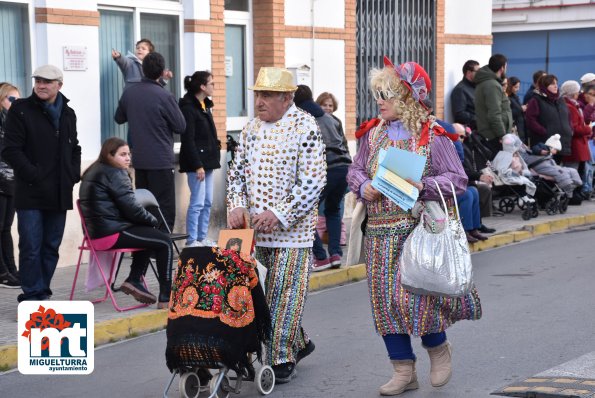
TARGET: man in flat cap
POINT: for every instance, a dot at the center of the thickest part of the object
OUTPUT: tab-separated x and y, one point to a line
41	145
274	186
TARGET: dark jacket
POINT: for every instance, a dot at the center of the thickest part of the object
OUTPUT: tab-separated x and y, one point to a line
200	146
46	161
153	117
462	102
529	94
337	153
545	117
518	116
6	173
476	156
493	119
108	202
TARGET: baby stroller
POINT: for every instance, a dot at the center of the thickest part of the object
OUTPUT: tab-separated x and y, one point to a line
218	319
515	178
550	196
510	196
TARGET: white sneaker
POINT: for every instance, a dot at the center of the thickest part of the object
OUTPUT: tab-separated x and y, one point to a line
207	243
528	199
194	243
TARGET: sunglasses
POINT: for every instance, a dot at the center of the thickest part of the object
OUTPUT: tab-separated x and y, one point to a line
11	98
384	95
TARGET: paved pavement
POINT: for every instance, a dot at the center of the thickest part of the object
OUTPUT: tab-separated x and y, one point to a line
111	325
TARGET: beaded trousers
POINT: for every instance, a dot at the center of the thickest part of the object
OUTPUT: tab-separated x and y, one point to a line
398	311
286	289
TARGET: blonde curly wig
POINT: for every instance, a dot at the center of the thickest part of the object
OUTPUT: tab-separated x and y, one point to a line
407	109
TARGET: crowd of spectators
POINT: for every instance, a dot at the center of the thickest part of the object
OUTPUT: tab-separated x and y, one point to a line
553	126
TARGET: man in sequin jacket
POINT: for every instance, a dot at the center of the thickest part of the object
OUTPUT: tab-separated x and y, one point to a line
275	182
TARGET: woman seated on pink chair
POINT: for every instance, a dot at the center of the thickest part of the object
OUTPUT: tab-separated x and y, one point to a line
116	220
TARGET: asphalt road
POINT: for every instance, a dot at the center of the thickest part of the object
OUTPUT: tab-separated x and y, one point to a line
537	298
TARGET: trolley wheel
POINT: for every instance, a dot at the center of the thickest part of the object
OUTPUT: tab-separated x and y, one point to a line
189	385
506	205
563	204
552	206
221	391
534	210
265	380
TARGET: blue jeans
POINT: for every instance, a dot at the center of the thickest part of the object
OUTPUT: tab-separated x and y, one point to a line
199	208
399	347
40	236
332	195
469	209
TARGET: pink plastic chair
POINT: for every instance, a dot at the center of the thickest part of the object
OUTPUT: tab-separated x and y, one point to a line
87	244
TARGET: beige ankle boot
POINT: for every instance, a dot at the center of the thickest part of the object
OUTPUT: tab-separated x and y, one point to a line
403	379
440	364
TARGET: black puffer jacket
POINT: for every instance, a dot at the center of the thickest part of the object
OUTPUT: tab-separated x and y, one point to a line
200	146
108	202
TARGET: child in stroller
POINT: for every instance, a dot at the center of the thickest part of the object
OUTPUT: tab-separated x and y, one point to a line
217	319
512	171
556	183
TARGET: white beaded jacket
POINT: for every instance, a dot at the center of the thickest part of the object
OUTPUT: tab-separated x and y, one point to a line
280	166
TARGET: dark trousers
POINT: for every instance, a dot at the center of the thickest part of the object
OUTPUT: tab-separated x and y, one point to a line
494	145
40	236
399	345
161	183
7	212
332	195
469	209
485	199
155	241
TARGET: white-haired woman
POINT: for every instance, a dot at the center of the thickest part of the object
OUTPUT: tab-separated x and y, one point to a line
581	132
405	123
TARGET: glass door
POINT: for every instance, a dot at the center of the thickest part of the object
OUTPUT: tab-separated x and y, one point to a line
238	66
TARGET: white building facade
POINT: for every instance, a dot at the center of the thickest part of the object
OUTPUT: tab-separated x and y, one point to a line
231	38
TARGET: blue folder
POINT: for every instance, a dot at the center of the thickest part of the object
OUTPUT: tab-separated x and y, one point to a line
394	166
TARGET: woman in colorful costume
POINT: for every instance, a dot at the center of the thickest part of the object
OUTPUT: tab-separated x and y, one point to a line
405	123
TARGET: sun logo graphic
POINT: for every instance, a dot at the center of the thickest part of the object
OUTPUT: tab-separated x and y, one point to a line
56	337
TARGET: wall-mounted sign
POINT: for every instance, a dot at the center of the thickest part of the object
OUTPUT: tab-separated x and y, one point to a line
75	57
228	66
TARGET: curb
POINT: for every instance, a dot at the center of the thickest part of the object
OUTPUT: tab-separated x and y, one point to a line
151	321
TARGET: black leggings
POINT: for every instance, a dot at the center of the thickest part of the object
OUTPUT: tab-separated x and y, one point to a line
154	240
7	210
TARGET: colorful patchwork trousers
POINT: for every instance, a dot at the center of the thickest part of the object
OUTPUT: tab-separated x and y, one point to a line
286	289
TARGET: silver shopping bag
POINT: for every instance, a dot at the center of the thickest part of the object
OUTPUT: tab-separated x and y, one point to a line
438	264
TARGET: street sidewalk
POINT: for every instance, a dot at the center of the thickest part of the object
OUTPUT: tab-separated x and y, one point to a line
111	325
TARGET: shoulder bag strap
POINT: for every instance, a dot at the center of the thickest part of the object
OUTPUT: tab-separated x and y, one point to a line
454	197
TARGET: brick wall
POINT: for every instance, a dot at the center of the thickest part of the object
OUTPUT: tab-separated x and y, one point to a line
270	33
66	17
216	28
268	18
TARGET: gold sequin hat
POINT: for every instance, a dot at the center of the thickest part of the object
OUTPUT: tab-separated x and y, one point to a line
274	79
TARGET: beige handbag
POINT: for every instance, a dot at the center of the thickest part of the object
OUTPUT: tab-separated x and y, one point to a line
356	237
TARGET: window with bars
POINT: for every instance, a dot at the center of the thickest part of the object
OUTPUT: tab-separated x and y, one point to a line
403	31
